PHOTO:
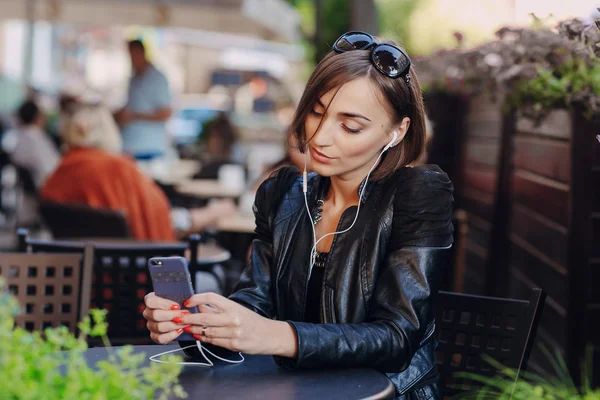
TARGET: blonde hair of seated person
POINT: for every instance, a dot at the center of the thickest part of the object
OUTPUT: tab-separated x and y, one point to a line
93	126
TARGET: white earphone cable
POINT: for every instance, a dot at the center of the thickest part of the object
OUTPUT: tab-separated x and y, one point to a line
313	251
209	363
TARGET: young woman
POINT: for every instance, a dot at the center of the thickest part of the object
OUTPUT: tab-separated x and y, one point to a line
366	296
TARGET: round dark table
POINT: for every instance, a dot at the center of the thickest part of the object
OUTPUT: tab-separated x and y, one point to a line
260	378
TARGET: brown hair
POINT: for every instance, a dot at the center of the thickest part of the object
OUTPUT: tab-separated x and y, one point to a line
220	127
136	45
402	99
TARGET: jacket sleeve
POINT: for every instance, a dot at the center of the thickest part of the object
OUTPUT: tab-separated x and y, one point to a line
400	313
254	289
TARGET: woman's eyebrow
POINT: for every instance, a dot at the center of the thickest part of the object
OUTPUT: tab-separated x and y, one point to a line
346	114
354	115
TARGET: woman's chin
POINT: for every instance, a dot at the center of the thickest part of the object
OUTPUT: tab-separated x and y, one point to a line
323	170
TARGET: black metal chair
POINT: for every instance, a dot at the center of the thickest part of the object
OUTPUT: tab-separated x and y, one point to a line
52	289
469	326
120	278
81	221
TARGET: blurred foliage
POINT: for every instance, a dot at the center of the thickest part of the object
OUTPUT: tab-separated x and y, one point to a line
538	69
509	384
574	82
433	24
306	10
394	19
318	38
52	366
335	20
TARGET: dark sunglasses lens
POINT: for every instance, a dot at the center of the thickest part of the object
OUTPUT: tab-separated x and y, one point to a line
353	41
390	60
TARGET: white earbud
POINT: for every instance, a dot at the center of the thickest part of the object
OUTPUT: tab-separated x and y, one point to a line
391	143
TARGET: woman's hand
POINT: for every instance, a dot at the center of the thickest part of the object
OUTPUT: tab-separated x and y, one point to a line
227	324
160	314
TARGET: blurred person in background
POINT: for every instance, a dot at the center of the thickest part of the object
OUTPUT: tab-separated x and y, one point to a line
67	104
293	158
93	173
147	110
30	147
219	138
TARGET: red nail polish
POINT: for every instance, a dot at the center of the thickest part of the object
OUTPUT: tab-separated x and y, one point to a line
179	330
197	336
178	320
186	303
188	329
185	312
175	307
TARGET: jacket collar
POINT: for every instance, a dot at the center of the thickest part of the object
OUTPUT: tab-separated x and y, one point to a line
320	186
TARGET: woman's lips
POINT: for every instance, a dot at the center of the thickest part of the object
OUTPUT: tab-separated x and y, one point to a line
320	157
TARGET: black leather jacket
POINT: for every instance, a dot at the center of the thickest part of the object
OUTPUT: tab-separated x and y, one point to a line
380	282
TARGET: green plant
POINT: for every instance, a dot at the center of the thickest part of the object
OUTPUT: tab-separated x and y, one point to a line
508	385
574	82
537	69
34	366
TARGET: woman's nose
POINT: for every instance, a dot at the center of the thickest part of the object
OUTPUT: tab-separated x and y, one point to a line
324	135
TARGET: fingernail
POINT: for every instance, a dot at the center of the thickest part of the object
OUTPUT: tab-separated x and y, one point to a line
175	307
186	303
197	336
185	312
188	329
178	320
179	330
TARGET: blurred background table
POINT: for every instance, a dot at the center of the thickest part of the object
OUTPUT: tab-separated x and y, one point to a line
170	172
240	223
207	189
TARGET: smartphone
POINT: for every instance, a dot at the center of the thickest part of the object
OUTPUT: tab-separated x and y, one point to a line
171	280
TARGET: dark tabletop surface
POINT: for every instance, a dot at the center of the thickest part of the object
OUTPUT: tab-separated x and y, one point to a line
260	378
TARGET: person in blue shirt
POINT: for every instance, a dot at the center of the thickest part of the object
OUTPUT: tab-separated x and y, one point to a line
148	108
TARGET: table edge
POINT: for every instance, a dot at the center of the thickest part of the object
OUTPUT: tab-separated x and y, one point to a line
388	393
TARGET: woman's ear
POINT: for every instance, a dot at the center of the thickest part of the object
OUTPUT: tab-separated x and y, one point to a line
401	129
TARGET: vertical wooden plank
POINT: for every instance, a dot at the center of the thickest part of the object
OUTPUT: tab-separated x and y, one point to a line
480	124
595	188
580	238
498	260
446	113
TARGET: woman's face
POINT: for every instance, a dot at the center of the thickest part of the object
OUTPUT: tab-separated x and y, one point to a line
353	132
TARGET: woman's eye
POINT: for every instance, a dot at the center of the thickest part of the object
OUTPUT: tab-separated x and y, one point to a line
316	113
350	130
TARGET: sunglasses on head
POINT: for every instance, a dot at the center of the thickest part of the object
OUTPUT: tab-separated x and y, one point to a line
390	60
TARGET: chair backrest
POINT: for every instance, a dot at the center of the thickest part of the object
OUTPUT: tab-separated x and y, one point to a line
120	278
50	288
76	220
469	326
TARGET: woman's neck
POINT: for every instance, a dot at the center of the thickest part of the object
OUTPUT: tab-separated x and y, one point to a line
343	193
